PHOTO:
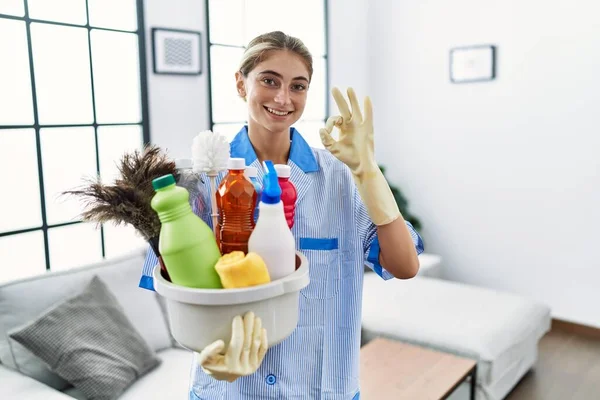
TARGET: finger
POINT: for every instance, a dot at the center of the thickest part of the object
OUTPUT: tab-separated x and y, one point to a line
210	352
232	357
326	138
264	345
356	113
256	340
332	121
368	111
341	103
248	335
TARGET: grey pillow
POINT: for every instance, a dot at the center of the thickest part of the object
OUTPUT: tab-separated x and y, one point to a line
90	343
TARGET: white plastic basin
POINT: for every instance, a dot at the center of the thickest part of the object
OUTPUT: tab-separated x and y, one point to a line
198	317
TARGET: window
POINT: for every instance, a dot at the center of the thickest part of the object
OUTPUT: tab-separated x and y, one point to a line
72	101
232	24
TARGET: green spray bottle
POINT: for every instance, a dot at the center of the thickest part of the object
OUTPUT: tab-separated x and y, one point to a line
186	243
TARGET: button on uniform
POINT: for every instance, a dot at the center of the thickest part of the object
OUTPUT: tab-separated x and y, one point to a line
271	379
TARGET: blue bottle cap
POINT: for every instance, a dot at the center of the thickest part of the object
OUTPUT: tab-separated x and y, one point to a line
271	193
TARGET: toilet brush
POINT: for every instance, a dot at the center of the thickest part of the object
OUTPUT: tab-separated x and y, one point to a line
210	152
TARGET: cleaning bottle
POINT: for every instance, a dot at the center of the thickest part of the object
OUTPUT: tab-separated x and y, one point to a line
183	164
252	174
186	244
236	199
188	179
288	192
271	238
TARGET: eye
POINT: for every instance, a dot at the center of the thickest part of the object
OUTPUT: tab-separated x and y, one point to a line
269	81
299	87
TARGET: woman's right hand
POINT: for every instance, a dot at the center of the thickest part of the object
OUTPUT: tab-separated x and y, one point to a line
244	355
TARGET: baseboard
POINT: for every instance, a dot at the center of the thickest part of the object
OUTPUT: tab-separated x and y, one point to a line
576	329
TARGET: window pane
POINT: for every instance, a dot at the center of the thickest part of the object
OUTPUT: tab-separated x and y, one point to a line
12	7
229	130
305	20
74	246
122	239
310	132
315	103
62	74
227	22
19	169
113	142
15	79
69	11
22	256
113	14
115	58
68	155
227	106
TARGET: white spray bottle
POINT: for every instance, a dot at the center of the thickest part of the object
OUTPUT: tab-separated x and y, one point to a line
271	238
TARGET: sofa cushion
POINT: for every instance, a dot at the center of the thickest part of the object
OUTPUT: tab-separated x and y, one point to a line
89	342
15	385
170	380
498	329
21	301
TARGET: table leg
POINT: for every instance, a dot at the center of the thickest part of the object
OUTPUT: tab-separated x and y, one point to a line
473	381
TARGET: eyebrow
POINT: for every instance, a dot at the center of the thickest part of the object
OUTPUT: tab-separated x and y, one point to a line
280	76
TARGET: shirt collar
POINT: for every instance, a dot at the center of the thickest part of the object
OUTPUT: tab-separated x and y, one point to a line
300	152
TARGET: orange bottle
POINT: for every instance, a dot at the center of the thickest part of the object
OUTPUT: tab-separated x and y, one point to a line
236	198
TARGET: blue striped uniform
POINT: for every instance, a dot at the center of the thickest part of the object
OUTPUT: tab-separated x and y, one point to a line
320	360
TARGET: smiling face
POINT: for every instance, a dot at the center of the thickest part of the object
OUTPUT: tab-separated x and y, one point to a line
275	90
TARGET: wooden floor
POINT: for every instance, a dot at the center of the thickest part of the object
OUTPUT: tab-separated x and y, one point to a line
568	368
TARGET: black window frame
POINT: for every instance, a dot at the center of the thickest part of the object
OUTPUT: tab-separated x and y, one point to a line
144	123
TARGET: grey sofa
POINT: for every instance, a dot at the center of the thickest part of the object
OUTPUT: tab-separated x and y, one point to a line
23	376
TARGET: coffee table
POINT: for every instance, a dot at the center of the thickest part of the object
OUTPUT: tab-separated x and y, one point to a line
391	369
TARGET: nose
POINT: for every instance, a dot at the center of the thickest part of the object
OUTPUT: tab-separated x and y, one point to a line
283	96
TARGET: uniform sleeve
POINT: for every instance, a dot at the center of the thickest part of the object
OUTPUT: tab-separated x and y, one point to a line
201	207
146	281
368	234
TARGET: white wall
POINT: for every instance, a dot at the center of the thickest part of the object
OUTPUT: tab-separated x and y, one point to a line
348	48
504	174
178	105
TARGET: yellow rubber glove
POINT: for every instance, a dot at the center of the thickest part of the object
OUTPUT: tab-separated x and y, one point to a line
244	355
237	270
355	148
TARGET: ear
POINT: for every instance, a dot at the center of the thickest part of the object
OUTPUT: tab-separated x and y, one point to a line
240	83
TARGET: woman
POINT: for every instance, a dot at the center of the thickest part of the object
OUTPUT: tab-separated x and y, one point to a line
346	215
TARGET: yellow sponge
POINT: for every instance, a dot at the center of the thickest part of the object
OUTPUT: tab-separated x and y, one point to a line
237	270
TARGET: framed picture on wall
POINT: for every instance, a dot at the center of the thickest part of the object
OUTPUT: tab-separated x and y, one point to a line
176	52
473	64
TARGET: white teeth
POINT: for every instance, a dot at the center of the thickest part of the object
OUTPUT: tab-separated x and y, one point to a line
277	112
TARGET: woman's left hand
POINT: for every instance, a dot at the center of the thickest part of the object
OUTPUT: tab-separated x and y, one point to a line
355	146
356	149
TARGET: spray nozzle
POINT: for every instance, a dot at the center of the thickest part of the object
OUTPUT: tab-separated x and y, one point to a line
271	190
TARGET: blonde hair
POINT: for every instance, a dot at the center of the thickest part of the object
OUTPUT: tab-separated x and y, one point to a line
258	48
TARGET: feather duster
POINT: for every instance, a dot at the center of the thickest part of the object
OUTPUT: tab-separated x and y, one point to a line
120	203
127	200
